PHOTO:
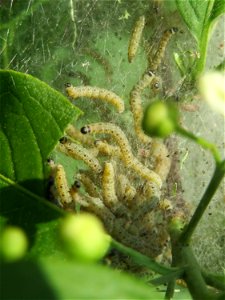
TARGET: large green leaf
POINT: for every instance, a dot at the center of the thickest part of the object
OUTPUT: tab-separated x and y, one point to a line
199	14
33	117
55	279
196	14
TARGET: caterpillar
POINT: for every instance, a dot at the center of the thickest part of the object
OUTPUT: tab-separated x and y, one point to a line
107	149
62	186
126	153
79	152
95	93
96	206
135	38
89	185
75	133
136	103
101	60
162	161
74	191
155	62
125	190
108	186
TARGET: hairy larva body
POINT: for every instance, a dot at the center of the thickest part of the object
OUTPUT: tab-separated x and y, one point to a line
62	186
108	185
106	149
155	62
79	152
75	133
135	38
95	93
126	153
96	206
125	190
89	185
136	104
109	192
162	161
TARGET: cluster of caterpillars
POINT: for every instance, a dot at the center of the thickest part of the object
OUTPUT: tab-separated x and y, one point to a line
122	188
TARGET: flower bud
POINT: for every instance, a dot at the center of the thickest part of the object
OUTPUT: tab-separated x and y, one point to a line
13	243
160	119
84	238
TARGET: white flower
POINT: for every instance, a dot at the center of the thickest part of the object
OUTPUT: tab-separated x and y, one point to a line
212	89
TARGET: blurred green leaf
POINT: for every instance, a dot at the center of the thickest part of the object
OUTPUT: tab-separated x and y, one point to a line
54	279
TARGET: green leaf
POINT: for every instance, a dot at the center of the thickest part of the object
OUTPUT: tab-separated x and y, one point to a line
196	15
33	117
218	9
54	279
199	17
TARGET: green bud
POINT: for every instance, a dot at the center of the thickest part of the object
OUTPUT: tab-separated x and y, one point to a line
13	243
160	119
84	238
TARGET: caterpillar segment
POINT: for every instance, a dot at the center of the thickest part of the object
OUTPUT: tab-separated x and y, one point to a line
93	92
148	79
126	154
156	61
135	38
62	186
75	134
78	152
89	185
109	192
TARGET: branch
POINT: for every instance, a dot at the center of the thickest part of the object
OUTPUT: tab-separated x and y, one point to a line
206	198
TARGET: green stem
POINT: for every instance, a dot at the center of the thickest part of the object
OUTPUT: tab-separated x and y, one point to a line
206	198
142	259
216	281
193	276
203	45
204	143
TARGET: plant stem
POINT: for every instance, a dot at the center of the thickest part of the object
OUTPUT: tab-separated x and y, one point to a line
206	198
203	45
193	276
215	281
202	142
142	259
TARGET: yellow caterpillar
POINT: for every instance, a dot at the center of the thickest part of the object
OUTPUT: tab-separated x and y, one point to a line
89	185
135	38
79	152
62	186
126	153
95	93
75	133
125	190
136	103
155	62
108	186
107	149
